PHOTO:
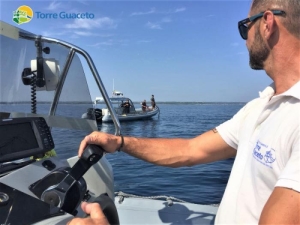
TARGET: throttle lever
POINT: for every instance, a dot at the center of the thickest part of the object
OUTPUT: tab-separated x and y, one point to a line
55	195
91	155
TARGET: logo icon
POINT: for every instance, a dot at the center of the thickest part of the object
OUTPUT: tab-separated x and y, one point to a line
264	154
270	156
22	15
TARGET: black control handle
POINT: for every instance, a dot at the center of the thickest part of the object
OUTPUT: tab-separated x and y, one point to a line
91	155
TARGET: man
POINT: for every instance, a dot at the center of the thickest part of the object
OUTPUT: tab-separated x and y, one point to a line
264	185
152	102
126	107
144	106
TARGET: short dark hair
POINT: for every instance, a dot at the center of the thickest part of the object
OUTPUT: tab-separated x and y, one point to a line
292	8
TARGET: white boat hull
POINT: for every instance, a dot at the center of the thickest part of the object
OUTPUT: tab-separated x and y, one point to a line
137	115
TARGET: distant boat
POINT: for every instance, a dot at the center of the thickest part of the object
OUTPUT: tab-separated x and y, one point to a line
114	94
118	100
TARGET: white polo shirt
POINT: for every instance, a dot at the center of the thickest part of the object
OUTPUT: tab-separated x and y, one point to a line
266	135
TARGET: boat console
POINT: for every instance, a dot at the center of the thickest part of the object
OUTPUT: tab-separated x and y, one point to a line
33	191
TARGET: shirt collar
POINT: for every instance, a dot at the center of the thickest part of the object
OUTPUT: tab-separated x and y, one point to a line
269	91
294	91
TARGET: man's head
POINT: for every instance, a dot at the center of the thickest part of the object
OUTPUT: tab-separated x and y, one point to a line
291	7
262	32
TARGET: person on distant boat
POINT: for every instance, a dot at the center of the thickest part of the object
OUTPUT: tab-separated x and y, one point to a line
264	136
126	107
144	106
153	102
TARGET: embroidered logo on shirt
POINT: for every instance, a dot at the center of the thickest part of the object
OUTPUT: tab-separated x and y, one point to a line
264	154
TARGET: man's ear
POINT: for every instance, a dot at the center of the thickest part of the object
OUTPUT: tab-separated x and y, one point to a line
270	25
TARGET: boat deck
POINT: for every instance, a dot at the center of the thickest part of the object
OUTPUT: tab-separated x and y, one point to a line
149	211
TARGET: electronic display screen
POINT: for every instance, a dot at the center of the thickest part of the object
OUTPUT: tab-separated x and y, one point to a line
16	138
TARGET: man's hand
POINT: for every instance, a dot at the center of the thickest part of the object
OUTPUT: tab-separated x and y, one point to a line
110	143
96	215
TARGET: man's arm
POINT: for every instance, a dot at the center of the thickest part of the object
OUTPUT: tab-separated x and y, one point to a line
283	207
175	152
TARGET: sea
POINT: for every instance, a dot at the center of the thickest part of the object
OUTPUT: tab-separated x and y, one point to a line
203	184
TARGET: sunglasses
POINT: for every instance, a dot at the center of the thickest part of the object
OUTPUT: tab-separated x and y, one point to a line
243	24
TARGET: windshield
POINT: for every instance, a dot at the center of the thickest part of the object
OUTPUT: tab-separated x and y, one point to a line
20	100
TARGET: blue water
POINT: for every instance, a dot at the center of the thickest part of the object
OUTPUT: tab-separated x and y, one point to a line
199	184
203	184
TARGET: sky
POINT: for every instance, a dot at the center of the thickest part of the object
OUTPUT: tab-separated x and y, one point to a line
182	51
